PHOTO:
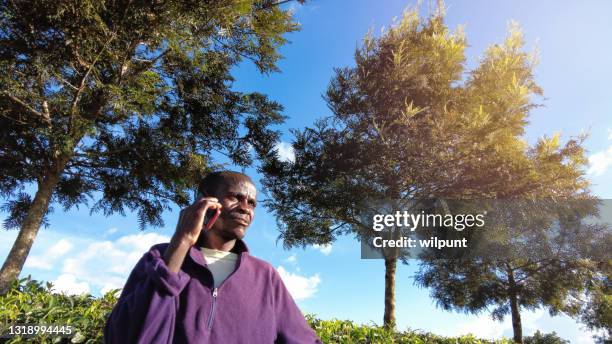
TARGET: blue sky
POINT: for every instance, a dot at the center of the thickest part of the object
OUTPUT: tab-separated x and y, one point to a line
93	253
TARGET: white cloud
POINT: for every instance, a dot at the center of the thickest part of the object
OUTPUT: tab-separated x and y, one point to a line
292	259
530	320
107	264
60	248
325	249
299	287
111	230
67	284
285	151
484	327
46	260
38	262
110	286
586	336
600	162
142	242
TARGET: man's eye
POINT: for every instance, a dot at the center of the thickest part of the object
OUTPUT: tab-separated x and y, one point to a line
253	204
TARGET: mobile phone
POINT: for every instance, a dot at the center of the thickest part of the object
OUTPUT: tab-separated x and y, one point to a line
210	218
211	214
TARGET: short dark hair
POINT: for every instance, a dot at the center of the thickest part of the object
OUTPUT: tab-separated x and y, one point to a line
209	186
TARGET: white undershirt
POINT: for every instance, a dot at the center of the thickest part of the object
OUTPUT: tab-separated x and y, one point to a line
220	263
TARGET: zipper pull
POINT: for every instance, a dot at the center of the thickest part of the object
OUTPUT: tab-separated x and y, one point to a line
215	292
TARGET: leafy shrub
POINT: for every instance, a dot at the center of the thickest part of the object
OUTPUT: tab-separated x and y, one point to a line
33	302
345	331
545	338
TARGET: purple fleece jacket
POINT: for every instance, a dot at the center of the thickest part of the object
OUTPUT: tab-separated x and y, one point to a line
251	306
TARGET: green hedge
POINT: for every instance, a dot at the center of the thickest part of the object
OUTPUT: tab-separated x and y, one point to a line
30	301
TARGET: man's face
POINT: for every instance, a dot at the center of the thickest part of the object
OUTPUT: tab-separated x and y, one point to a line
238	200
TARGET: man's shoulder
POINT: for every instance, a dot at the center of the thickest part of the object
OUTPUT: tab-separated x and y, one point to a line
159	248
155	252
260	264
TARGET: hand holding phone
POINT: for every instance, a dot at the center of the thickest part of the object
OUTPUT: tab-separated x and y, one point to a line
193	219
188	229
211	217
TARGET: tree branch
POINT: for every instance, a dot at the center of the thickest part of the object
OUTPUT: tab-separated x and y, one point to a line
13	119
146	63
59	77
81	86
45	119
98	180
41	92
235	51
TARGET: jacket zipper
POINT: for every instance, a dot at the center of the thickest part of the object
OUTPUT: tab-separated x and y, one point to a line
216	291
212	308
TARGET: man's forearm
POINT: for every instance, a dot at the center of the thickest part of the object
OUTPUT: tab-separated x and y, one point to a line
175	254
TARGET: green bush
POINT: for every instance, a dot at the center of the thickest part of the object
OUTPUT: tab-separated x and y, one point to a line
32	302
345	331
545	338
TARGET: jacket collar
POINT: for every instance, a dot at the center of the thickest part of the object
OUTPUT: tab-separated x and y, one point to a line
240	248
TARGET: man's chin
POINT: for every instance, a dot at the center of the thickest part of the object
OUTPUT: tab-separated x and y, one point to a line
240	233
236	233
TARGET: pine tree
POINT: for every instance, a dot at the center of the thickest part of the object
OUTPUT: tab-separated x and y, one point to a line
409	123
123	103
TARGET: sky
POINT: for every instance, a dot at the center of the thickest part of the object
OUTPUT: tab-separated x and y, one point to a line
80	252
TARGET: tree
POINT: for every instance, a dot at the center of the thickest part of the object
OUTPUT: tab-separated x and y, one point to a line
596	314
562	257
126	101
406	125
542	255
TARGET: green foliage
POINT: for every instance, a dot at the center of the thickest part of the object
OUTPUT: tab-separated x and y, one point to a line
30	301
545	338
130	99
597	313
127	104
33	302
410	123
344	331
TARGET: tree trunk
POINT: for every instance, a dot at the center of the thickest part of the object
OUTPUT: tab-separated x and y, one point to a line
517	328
390	266
29	228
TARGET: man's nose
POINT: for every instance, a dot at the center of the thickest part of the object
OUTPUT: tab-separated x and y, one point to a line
244	207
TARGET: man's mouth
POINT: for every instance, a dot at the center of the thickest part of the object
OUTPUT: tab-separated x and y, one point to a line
244	220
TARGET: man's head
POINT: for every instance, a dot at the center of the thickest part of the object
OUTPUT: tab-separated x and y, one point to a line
237	194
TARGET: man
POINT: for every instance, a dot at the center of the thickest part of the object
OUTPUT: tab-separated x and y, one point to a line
204	287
